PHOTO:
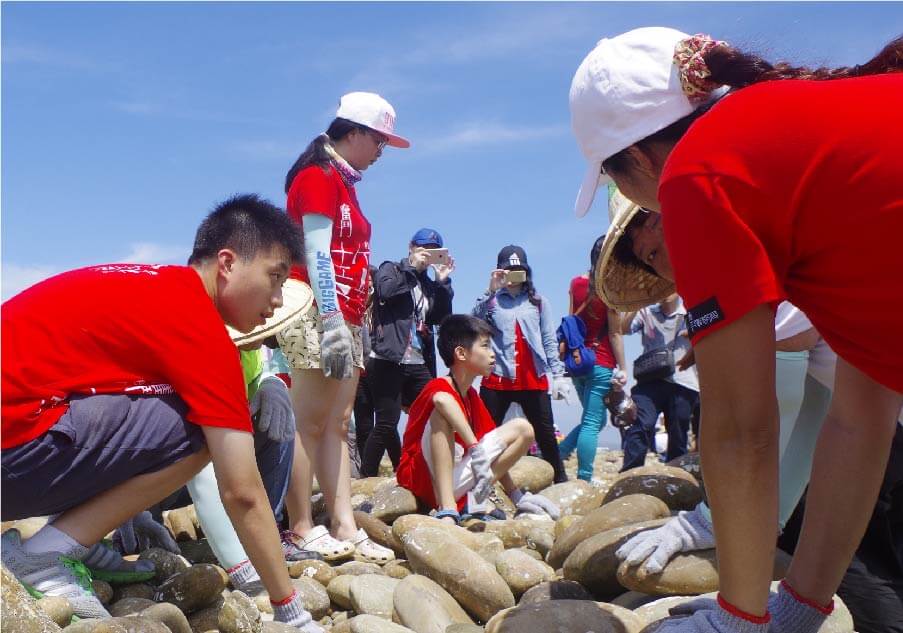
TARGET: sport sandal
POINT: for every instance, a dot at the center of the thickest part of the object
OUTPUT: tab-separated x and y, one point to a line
319	540
370	552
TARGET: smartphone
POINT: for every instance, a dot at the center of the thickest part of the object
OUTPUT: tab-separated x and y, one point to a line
436	256
516	276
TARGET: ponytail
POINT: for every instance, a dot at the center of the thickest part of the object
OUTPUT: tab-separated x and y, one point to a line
315	153
731	67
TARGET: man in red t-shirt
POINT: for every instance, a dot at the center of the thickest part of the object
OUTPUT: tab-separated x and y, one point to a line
104	411
452	451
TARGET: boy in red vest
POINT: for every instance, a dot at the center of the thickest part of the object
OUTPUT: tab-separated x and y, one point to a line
452	446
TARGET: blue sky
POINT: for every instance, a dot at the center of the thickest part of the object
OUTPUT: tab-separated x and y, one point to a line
123	124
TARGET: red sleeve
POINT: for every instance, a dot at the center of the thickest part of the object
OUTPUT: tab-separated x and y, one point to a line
312	191
720	265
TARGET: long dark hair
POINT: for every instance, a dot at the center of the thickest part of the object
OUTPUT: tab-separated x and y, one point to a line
315	152
530	289
734	68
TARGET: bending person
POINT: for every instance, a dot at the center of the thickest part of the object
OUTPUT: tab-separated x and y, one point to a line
740	220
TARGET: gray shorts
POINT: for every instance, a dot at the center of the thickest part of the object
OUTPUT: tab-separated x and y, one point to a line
101	441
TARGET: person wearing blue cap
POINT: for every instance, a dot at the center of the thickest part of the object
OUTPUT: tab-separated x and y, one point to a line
407	304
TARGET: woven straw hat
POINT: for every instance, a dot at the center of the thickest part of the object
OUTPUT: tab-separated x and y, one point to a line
625	287
296	298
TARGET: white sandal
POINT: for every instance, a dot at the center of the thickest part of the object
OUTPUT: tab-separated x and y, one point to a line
368	551
319	540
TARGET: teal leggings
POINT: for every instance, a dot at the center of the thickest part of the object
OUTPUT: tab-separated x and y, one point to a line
585	436
803	404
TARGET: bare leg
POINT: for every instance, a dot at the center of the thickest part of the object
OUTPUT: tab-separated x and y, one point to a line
518	437
442	447
94	519
850	459
322	407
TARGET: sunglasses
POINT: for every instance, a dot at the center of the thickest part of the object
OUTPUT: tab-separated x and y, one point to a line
381	141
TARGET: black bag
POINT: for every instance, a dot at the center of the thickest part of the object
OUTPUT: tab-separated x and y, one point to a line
657	364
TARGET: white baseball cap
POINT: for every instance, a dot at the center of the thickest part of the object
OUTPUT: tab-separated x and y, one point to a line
626	89
368	108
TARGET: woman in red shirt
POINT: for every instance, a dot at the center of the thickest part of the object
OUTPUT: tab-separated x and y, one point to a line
324	346
788	188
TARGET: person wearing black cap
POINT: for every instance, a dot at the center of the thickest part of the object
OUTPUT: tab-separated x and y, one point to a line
526	351
407	304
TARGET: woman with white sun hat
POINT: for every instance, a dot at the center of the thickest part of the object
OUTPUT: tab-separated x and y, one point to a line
786	188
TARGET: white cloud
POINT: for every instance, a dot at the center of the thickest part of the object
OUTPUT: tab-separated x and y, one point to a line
14	279
479	134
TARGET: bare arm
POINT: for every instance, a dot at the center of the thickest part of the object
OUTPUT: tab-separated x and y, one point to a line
447	406
616	338
739	443
246	504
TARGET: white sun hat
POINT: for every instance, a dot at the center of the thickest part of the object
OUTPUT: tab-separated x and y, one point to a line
627	88
371	110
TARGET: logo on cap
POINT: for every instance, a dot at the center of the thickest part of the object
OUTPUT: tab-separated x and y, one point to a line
514	260
388	121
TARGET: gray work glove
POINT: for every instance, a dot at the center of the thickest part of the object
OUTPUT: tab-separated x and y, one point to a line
652	549
481	466
790	614
142	532
294	614
271	410
535	504
708	617
336	359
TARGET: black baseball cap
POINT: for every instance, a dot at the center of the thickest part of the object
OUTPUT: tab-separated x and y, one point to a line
513	256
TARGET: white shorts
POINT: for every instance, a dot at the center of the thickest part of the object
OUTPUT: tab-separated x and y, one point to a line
462	474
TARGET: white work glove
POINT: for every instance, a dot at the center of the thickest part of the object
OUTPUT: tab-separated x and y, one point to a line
561	388
481	466
535	504
618	379
652	549
271	410
708	617
336	358
294	614
142	532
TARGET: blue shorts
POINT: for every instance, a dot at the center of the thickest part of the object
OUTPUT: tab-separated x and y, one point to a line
100	442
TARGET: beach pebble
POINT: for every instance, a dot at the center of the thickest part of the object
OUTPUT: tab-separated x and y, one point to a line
556	590
103	590
532	474
319	570
372	624
339	591
20	612
398	568
565	615
57	607
358	568
574	497
313	596
128	606
521	571
391	502
239	615
205	620
134	590
165	563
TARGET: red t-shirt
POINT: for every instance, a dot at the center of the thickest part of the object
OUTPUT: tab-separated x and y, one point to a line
413	472
793	190
324	192
117	328
595	316
525	376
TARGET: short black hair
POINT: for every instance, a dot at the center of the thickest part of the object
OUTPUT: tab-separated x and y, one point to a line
459	330
247	224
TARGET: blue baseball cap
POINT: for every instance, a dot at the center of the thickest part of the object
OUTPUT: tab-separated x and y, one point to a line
425	237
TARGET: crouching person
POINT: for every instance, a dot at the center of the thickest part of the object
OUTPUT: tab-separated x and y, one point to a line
102	416
452	452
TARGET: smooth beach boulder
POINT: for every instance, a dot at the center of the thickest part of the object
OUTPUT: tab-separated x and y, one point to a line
565	616
408	523
165	562
470	579
532	474
319	570
372	624
391	502
313	595
239	615
626	510
20	612
594	565
339	590
574	497
379	532
425	607
521	571
194	588
371	594
357	568
555	590
58	608
675	486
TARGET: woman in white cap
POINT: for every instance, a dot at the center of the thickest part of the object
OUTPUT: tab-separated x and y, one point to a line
787	188
324	347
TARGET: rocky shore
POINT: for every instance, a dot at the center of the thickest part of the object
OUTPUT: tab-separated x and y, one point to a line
522	575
